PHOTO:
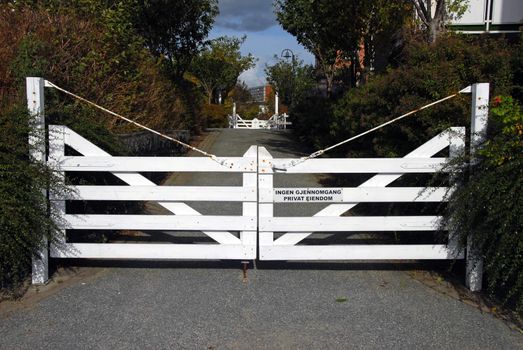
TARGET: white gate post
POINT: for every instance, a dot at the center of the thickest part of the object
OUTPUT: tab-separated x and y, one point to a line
234	117
265	189
35	106
250	209
478	129
276	102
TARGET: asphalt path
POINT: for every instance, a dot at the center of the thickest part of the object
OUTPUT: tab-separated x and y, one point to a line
209	305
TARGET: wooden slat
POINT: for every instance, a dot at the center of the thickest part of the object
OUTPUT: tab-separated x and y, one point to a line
362	165
154	164
376	194
161	193
349	224
154	251
359	252
159	222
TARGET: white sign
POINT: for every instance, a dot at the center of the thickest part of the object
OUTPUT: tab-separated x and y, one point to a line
307	195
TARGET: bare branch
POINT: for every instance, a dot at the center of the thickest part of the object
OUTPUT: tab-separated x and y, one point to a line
421	10
426	9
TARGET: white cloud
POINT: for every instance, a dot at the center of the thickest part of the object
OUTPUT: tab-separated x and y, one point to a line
254	76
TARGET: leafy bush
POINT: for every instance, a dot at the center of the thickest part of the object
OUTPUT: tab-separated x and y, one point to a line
425	73
24	216
312	118
109	65
487	208
216	116
248	110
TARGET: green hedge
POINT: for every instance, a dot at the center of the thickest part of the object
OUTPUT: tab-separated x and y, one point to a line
24	214
487	206
427	73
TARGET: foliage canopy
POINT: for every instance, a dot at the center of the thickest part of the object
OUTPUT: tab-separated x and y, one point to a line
176	29
218	66
291	80
334	31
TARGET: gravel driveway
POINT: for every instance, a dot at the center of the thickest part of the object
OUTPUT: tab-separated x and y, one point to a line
209	305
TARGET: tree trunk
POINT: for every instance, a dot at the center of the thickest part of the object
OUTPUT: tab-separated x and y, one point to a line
433	25
433	31
327	71
209	96
328	79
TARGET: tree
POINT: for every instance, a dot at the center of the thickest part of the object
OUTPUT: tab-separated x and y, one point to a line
240	93
97	55
176	30
219	65
338	32
434	21
331	30
172	30
290	79
383	33
281	77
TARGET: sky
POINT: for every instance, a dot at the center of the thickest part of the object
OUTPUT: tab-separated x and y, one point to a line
265	37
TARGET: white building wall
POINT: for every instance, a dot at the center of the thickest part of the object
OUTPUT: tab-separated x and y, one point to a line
474	15
497	16
507	11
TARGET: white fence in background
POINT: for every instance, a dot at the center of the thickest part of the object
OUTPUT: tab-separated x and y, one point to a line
274	122
373	190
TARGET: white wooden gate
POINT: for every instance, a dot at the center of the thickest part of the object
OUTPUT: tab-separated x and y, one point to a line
172	198
296	229
274	122
257	224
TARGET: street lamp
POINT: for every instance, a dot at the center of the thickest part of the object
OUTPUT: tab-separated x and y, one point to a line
287	54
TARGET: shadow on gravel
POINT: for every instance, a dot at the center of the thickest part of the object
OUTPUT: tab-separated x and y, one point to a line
258	265
376	266
146	264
